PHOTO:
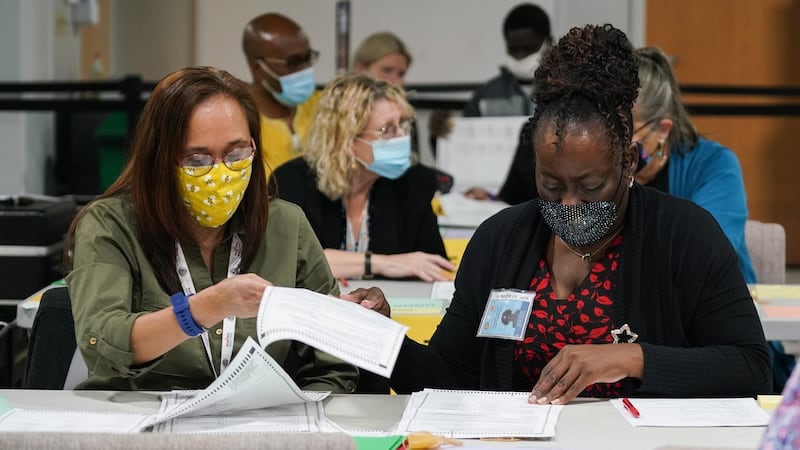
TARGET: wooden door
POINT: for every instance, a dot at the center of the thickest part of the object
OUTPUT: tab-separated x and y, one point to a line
742	43
96	46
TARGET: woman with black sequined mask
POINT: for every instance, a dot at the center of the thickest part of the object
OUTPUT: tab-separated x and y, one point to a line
632	292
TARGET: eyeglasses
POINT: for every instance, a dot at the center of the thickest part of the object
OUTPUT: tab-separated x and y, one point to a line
649	123
295	62
391	130
199	164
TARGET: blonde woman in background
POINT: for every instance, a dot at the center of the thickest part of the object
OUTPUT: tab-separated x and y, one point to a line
383	56
369	206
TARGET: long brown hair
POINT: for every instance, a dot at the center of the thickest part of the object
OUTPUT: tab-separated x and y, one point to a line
149	176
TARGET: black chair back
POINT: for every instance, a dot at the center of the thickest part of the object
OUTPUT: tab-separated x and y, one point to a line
52	342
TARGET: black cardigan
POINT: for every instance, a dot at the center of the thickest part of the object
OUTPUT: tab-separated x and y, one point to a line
401	219
681	290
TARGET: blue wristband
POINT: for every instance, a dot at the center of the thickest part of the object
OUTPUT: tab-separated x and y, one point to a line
180	306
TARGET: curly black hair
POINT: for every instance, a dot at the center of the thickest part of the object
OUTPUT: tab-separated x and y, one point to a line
590	75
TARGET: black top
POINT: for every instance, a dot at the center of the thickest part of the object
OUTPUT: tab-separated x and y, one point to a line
680	289
401	219
580	318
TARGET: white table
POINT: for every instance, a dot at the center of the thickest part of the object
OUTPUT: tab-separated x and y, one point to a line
588	424
779	310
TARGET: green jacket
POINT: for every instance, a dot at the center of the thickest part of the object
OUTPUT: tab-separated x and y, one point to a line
112	283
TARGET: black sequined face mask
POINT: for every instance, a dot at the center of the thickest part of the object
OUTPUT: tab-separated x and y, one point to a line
581	224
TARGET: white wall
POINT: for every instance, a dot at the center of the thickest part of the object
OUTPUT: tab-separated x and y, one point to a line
26	138
151	38
451	40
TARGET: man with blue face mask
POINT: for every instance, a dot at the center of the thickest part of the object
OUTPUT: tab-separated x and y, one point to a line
281	62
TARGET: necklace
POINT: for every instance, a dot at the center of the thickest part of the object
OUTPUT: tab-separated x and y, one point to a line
589	255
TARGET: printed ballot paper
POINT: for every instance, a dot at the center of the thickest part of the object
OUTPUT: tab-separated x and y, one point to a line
694	412
478	414
254	380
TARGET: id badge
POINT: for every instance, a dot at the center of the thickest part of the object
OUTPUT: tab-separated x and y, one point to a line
507	314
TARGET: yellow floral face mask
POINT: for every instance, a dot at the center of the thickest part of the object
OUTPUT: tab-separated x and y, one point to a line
213	198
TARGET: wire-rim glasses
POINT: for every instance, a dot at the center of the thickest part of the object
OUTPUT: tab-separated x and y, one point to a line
391	130
199	164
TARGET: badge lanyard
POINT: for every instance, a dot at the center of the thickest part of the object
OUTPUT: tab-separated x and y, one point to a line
229	323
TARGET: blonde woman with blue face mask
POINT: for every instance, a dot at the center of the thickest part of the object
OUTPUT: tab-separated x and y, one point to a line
168	266
368	204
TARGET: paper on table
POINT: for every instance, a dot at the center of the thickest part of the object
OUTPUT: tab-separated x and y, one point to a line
485	142
478	414
467	212
343	329
306	417
35	421
443	289
694	412
781	311
253	380
416	306
765	293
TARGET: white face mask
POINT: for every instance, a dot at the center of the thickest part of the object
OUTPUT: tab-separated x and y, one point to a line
523	69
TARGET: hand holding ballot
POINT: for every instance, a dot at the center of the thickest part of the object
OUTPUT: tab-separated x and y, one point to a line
237	296
371	298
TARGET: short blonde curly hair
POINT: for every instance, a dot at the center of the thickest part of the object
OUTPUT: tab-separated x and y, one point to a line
342	113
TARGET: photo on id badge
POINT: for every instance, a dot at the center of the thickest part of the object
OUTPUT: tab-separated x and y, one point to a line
506	315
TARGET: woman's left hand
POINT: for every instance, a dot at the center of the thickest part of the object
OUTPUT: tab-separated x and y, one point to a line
578	366
371	298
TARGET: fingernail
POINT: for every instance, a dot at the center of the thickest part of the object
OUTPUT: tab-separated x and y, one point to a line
368	303
542	401
532	399
556	401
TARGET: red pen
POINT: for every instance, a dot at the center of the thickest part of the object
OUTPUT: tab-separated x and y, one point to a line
629	406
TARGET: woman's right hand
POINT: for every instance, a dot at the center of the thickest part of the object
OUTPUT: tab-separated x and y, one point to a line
477	193
238	296
425	266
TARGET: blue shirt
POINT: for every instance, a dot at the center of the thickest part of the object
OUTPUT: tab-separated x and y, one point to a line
710	176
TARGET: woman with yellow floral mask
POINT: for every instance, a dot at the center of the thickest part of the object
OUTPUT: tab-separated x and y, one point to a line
168	266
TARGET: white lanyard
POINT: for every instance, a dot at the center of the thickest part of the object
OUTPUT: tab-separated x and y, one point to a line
229	323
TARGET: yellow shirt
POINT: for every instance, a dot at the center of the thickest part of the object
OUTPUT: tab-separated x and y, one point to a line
277	142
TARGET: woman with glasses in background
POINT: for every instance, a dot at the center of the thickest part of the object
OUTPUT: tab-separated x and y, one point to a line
169	265
674	158
369	206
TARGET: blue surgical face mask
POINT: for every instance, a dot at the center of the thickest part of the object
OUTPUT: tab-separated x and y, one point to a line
391	157
296	87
